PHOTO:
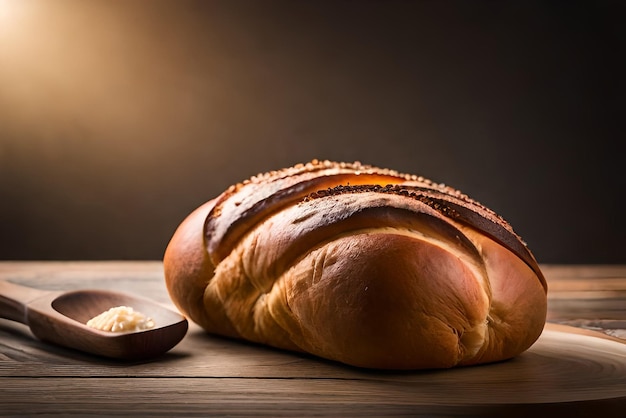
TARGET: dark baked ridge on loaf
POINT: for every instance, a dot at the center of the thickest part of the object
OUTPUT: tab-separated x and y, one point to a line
358	264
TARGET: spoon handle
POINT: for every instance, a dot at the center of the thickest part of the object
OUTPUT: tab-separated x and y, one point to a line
14	299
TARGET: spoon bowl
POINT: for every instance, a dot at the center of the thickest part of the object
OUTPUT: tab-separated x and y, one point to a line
60	317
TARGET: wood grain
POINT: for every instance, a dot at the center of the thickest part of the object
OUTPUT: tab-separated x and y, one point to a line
577	371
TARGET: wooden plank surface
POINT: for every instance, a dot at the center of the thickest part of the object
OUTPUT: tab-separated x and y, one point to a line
589	297
569	370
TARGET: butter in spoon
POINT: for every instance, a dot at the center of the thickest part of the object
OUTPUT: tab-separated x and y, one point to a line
60	317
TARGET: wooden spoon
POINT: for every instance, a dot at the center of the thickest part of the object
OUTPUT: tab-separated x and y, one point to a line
60	317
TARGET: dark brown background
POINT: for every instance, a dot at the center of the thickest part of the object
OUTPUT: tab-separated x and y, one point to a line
119	118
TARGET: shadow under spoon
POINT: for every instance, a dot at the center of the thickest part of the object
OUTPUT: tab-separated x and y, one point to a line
60	317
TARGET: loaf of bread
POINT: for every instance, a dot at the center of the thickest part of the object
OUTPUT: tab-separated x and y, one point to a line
360	265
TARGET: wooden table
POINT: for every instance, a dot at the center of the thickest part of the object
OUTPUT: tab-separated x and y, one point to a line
577	367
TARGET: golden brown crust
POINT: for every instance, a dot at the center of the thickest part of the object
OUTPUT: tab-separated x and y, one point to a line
361	265
188	271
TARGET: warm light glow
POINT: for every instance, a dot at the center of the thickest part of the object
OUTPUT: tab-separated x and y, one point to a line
12	15
65	64
7	9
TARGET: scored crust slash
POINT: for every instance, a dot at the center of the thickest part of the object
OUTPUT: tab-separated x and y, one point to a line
358	264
